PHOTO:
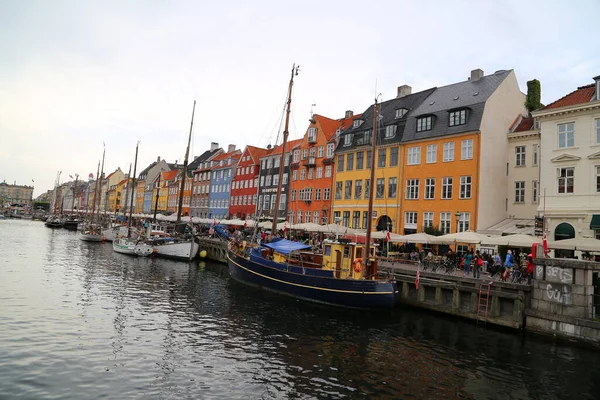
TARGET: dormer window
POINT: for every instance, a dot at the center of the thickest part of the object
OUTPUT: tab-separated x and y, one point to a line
458	117
401	112
390	131
348	139
357	123
424	123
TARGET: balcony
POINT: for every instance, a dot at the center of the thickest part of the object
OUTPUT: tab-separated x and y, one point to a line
312	139
328	160
295	165
310	162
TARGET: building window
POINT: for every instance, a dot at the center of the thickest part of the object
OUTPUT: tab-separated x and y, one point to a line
412	189
365	219
393	157
355	219
312	134
367	188
317	194
348	139
337	216
311	173
293	196
381	153
316	216
410	219
598	130
566	135
401	112
466	150
346	219
358	189
429	188
534	192
348	190
266	200
294	175
312	152
520	192
338	190
380	188
368	159
304	154
534	154
319	172
350	162
458	118
424	124
327	171
320	151
390	131
356	123
427	220
340	163
326	194
464	222
299	217
330	148
282	201
465	187
448	151
414	155
566	178
520	156
392	188
360	160
445	222
297	155
447	187
302	174
431	153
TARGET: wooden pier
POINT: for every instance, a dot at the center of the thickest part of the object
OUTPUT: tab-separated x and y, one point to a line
216	249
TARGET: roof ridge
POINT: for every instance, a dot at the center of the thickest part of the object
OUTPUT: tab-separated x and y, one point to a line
567	95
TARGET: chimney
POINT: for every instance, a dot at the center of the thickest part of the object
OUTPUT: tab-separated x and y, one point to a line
158	159
349	114
476	74
404	91
597	80
231	148
214	146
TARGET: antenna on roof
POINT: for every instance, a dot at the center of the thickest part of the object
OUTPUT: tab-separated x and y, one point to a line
311	109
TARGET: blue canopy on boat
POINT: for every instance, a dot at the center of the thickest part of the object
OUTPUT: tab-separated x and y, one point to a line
285	246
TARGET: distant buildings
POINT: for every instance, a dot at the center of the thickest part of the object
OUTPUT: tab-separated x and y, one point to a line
15	194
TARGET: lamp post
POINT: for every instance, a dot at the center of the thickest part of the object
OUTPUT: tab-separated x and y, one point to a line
457	216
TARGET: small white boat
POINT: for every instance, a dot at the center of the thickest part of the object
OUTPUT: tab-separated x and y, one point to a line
91	236
124	245
144	249
168	247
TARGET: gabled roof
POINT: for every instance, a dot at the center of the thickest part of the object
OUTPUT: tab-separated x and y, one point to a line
278	149
522	124
123	182
256	152
112	173
147	169
169	175
206	156
471	95
387	110
583	94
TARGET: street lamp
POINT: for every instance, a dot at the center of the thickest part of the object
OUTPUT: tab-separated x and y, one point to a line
457	216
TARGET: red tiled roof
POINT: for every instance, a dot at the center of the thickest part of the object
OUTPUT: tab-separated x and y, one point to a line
346	122
256	152
168	175
525	124
224	156
583	94
328	125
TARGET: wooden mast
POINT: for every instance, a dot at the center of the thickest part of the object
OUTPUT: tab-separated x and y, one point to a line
95	194
132	188
185	163
157	194
282	162
372	186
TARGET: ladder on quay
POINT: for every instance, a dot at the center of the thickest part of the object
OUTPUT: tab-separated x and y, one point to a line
483	302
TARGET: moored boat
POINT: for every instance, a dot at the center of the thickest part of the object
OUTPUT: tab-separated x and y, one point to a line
71	224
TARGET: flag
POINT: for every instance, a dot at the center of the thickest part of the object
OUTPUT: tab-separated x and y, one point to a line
545	243
245	224
387	236
214	222
417	279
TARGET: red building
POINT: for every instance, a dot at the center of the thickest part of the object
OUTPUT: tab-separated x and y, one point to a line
244	187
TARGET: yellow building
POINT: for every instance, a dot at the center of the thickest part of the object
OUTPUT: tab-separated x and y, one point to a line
352	186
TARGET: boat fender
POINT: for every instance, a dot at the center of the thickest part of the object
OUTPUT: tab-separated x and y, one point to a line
358	265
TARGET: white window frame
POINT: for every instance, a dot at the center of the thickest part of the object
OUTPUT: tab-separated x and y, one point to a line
534	191
448	151
598	129
400	112
464	222
447	183
535	154
312	134
348	139
427	219
466	149
458	117
569	175
390	131
424	123
429	189
411	219
520	156
431	154
466	187
414	155
330	149
320	151
519	192
412	189
566	134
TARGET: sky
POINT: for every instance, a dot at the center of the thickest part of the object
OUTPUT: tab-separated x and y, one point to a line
80	76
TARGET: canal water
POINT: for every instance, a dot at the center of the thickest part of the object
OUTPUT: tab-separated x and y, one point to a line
78	321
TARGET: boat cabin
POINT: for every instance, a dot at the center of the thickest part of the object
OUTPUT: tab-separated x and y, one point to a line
347	259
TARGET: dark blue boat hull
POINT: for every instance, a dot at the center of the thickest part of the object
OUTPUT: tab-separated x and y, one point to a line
369	294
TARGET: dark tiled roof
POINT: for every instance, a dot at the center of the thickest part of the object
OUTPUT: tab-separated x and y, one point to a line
200	159
525	124
583	94
388	110
471	95
147	169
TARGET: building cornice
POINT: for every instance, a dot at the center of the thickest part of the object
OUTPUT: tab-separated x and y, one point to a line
567	110
513	136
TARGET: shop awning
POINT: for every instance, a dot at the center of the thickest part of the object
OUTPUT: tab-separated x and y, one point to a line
595	223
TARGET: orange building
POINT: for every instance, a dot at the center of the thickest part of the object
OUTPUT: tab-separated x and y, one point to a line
312	170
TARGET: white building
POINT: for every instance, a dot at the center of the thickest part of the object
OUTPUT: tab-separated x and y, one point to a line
570	164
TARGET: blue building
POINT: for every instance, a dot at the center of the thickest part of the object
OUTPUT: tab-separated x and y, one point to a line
221	176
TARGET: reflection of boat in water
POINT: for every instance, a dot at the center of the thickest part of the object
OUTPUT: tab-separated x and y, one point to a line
71	224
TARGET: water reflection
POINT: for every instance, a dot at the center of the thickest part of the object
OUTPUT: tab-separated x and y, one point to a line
80	321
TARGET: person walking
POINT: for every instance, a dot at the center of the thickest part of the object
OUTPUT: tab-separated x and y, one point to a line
467	265
477	264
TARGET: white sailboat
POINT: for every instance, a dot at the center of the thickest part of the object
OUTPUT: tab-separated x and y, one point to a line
126	244
93	232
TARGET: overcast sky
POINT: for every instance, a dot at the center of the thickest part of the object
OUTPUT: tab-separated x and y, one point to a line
75	74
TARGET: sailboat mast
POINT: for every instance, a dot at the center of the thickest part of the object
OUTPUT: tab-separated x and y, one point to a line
185	163
124	208
157	195
283	145
95	193
372	186
132	187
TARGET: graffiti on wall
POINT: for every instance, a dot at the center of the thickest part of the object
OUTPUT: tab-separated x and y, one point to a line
558	293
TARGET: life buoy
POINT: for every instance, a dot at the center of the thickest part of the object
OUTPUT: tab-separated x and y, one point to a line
358	265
